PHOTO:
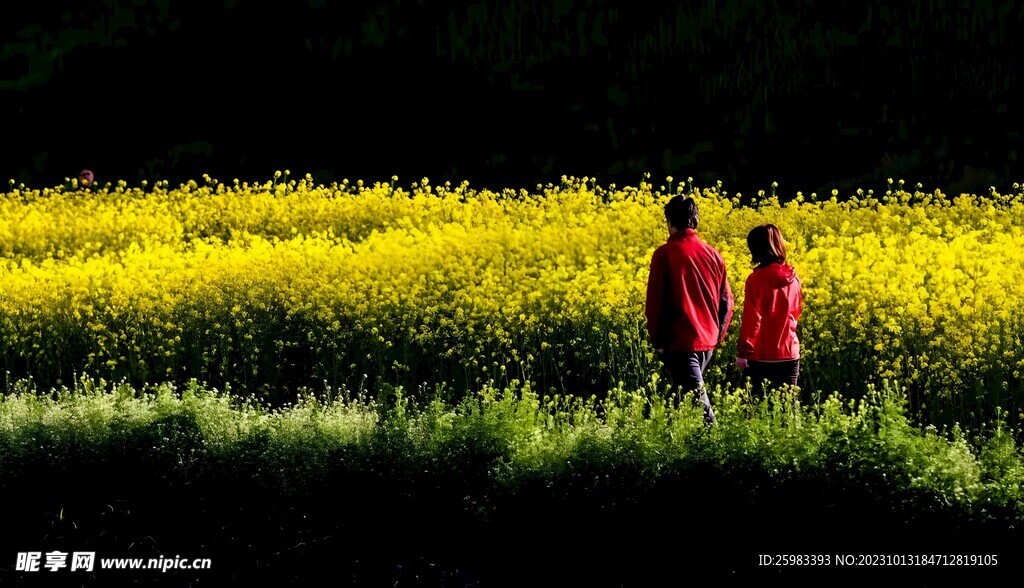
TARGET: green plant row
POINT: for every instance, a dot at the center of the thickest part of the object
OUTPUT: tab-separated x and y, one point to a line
498	442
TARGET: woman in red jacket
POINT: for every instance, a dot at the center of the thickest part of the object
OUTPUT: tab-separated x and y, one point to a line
768	348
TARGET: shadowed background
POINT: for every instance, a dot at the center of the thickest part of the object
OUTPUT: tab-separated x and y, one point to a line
811	94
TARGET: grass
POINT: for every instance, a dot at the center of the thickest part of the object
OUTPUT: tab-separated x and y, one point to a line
389	480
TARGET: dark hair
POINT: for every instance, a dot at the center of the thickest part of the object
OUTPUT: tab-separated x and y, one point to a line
766	245
681	212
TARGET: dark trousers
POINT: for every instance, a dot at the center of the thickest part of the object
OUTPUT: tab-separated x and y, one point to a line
687	371
773	374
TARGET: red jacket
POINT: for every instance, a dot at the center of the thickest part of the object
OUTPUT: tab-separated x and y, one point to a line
773	303
689	302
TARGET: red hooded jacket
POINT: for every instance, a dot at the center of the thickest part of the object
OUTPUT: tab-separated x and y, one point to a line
689	302
773	301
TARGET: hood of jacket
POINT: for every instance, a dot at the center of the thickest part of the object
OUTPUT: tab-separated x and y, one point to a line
778	275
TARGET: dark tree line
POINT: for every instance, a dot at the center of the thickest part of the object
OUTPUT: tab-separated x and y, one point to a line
811	94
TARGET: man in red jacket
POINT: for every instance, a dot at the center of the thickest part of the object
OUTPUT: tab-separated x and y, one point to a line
689	302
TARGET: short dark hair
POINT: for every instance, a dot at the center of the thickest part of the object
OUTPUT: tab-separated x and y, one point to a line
766	245
681	212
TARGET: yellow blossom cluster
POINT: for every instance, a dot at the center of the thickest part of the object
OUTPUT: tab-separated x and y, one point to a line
270	285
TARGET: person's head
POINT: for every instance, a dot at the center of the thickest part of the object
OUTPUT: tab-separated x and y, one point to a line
766	245
85	178
681	213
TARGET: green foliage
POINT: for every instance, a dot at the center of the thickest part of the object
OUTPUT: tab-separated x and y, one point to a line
500	442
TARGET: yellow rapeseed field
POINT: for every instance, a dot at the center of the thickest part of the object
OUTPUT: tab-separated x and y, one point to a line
287	283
